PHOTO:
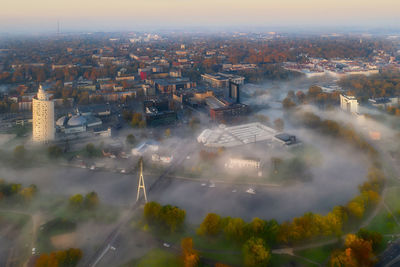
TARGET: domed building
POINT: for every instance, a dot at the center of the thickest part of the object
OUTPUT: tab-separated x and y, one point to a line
77	123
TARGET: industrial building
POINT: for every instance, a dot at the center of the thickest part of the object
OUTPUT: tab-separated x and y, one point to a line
170	85
244	134
157	112
349	103
225	109
221	80
384	102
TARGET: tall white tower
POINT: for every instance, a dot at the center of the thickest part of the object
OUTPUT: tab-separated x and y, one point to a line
43	129
141	183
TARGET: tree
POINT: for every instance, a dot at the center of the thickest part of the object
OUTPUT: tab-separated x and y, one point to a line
63	258
76	201
288	103
279	124
91	200
19	153
189	255
255	253
54	151
28	193
91	150
193	123
374	237
172	217
130	139
234	229
167	133
151	211
211	225
256	227
358	252
137	120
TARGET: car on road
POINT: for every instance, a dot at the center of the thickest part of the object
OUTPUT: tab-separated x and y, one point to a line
251	191
166	245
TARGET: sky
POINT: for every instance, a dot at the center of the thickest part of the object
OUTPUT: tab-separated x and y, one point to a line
116	15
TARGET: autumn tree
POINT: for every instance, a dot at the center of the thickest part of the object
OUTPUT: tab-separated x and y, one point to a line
168	217
63	258
167	133
235	229
151	211
54	151
211	225
255	253
172	217
358	252
189	255
130	139
76	201
19	153
279	124
91	200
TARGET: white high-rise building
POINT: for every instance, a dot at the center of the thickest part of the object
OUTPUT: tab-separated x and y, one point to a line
43	128
349	103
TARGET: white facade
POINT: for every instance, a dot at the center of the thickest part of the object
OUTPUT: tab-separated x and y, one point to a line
243	163
349	103
236	135
43	129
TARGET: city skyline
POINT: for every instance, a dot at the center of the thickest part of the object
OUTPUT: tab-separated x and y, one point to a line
121	15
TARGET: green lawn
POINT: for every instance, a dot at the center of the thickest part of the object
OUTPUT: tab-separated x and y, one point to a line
16	219
155	258
52	228
384	224
392	200
320	254
286	260
234	259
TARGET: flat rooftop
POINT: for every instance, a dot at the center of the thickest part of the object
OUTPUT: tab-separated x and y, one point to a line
236	135
214	102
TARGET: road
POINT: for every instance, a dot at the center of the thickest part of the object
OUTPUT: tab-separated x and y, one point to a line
105	247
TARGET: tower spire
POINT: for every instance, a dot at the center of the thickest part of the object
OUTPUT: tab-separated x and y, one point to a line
141	184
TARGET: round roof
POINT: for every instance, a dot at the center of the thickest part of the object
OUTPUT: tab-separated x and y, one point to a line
61	121
76	121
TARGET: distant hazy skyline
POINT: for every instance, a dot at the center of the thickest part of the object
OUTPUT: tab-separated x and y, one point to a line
120	15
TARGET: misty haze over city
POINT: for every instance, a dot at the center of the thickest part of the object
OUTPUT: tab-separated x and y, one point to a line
200	133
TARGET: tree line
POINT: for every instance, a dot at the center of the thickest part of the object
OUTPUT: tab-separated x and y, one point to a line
16	191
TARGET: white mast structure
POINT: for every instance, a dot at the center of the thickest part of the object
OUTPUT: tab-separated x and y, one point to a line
141	183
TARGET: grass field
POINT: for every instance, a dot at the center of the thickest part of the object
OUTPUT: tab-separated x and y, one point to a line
53	228
392	199
286	260
320	254
156	258
384	224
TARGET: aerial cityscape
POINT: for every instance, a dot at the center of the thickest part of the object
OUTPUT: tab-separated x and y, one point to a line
199	134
